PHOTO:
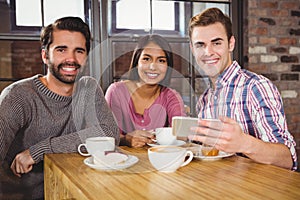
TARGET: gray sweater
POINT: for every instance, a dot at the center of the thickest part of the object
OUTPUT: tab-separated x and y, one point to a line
33	117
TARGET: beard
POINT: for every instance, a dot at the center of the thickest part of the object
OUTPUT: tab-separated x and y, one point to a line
68	79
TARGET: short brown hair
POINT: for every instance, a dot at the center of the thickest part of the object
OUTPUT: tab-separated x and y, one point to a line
65	23
211	16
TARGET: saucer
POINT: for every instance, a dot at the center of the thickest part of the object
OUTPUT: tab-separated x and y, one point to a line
128	163
221	155
176	143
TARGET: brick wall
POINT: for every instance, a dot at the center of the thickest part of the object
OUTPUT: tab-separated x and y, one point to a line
272	46
26	59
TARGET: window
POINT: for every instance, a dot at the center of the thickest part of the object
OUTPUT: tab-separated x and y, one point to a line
34	14
19	34
155	16
144	16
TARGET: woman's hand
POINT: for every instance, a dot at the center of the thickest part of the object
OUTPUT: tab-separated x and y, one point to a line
139	138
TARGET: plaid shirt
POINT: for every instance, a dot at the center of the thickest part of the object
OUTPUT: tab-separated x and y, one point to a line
253	101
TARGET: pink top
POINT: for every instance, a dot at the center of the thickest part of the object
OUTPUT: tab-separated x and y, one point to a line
167	105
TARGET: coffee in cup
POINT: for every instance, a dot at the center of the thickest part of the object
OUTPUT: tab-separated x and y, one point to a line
97	144
169	158
164	136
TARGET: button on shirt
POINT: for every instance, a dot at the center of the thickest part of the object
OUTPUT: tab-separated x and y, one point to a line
253	101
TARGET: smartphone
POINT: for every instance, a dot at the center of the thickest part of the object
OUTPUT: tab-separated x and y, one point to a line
181	125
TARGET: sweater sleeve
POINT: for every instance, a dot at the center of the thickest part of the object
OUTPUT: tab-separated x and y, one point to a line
12	118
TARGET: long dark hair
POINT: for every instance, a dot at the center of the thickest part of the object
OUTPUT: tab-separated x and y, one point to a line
144	41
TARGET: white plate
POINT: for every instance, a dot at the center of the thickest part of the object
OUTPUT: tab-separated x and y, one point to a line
128	163
176	143
211	158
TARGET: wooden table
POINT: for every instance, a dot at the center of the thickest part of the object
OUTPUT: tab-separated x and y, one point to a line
67	177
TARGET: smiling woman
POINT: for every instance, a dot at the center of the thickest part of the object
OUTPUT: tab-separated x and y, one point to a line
145	102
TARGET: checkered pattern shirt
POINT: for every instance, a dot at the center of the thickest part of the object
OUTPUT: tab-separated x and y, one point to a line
253	101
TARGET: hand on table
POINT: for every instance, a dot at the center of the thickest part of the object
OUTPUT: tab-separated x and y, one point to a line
139	138
22	163
226	135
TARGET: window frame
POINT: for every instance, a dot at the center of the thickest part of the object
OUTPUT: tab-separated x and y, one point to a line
32	33
114	30
16	28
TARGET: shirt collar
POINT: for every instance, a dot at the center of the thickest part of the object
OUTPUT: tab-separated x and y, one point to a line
228	74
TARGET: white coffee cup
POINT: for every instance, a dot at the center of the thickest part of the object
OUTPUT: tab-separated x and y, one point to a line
97	144
164	136
169	158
